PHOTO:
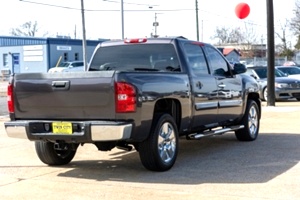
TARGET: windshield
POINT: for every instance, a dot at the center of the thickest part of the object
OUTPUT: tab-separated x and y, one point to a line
64	64
262	73
290	70
147	57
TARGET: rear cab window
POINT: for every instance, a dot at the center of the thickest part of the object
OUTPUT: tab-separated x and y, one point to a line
136	57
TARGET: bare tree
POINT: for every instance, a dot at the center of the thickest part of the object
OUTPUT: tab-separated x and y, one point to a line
235	35
227	35
297	45
283	48
250	35
295	22
221	34
28	29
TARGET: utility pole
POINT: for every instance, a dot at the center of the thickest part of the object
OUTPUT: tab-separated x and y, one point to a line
197	20
155	24
122	18
83	37
270	55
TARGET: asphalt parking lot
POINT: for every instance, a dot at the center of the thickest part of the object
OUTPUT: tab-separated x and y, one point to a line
218	167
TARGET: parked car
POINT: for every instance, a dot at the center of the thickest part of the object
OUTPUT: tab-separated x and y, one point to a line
285	87
290	63
68	67
290	71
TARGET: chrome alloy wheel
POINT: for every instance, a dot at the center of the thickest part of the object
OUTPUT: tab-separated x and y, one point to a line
166	142
253	121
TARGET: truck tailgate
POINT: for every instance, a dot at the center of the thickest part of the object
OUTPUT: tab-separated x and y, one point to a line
74	95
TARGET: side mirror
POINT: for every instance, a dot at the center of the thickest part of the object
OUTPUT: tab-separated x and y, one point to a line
239	68
253	76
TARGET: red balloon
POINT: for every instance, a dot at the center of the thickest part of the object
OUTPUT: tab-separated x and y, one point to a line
242	10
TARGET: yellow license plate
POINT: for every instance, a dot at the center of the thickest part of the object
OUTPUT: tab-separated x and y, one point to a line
62	127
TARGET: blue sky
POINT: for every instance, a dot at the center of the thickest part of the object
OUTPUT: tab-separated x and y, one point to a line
103	17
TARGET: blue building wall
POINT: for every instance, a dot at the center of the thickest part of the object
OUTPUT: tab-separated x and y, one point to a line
29	54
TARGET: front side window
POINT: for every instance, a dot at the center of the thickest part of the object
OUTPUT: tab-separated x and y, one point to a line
218	64
77	64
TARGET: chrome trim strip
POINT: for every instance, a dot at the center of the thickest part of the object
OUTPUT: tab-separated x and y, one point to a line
206	105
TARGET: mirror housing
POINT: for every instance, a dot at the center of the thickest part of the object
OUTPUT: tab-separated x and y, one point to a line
239	68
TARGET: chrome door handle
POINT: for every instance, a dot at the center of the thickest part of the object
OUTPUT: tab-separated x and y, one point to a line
221	85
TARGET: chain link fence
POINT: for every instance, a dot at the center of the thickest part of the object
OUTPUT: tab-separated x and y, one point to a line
259	61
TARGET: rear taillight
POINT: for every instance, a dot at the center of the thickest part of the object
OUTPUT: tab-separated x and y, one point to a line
125	97
10	99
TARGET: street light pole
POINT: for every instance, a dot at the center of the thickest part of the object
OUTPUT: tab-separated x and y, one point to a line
83	37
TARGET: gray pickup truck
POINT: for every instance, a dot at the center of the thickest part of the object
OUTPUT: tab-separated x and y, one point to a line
141	93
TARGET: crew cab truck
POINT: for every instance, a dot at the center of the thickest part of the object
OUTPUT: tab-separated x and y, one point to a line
142	93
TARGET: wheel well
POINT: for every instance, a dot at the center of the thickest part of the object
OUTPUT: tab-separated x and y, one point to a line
170	106
255	97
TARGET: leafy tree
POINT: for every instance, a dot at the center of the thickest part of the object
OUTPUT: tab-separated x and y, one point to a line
28	29
288	53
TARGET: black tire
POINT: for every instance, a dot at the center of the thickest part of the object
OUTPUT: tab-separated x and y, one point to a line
298	99
48	155
159	151
251	121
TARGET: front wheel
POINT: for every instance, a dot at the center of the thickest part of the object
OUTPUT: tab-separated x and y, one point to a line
159	151
265	94
250	121
50	156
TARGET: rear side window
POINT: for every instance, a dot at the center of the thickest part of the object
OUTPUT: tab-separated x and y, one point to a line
145	57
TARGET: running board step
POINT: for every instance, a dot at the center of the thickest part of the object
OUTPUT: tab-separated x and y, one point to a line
196	136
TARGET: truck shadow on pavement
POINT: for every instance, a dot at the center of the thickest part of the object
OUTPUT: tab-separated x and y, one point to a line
220	159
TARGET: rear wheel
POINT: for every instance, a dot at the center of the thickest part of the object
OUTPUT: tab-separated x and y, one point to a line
50	156
159	151
250	121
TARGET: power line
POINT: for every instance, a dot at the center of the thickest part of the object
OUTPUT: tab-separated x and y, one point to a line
136	10
72	8
138	4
